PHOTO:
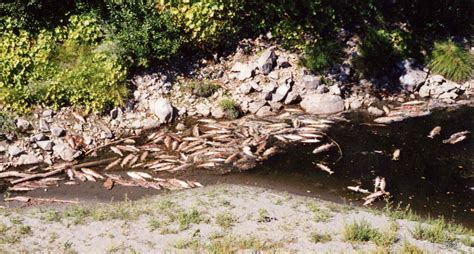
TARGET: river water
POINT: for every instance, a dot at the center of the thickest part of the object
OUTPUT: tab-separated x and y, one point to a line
433	178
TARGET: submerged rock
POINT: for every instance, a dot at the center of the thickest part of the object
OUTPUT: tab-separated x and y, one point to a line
322	104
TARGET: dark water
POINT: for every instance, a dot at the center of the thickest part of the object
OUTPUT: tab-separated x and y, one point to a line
432	177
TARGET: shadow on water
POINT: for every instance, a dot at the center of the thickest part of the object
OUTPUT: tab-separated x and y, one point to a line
432	177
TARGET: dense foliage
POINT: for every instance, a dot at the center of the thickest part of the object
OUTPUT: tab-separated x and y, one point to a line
78	52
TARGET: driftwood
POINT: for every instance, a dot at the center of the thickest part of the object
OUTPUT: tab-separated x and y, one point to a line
41	175
31	199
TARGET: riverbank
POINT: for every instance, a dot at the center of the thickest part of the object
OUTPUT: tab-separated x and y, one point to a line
224	218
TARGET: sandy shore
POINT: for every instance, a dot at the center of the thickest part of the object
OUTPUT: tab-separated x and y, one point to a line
222	219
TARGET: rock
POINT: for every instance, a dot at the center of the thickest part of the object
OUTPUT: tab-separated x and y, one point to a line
48	113
38	137
46	145
57	131
203	109
43	125
334	89
437	79
322	104
88	140
424	91
355	104
245	71
321	89
275	75
275	106
149	124
217	112
450	95
449	86
63	151
375	111
412	79
266	62
265	111
163	109
246	88
292	97
106	134
281	92
311	82
3	146
282	62
256	105
116	113
28	159
180	127
14	150
22	124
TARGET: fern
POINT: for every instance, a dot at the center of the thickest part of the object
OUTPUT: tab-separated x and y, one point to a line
451	61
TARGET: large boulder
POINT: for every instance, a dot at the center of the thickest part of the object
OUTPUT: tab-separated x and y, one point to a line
267	61
322	104
163	109
310	82
412	79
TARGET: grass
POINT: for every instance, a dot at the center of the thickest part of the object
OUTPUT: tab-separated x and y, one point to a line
227	244
154	224
185	219
363	231
202	88
316	237
230	107
225	220
12	234
262	215
437	232
408	248
319	215
322	55
451	61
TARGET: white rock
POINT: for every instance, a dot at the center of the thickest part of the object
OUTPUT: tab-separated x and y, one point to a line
163	109
46	145
281	92
28	159
322	104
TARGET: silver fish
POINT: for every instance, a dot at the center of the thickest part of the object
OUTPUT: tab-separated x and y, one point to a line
116	150
434	132
91	172
323	148
358	189
113	164
325	168
396	155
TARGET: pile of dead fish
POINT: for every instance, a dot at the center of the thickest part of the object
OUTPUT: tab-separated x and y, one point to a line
206	145
379	191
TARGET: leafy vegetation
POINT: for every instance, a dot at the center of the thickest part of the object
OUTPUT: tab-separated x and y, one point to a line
362	231
452	61
230	107
322	55
436	233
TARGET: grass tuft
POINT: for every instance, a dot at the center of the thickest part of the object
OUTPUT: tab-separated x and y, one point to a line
230	107
225	220
319	238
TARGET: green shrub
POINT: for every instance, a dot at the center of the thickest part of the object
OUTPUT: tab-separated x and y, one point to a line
230	107
142	34
322	55
7	125
437	232
376	53
363	232
451	61
72	65
204	88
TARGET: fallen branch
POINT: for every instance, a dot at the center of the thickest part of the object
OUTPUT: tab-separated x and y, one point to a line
31	199
42	175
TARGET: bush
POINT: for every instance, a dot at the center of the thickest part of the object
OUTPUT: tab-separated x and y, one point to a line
143	35
7	125
71	66
203	88
376	54
322	55
230	107
360	232
451	61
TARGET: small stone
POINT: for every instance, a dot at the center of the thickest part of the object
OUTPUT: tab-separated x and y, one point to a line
450	95
292	97
88	140
424	91
275	75
28	159
265	111
43	125
149	124
38	137
321	89
180	127
22	124
217	112
276	106
116	113
266	62
281	92
375	111
3	146
48	113
57	131
245	88
413	79
46	145
106	135
311	82
256	105
14	150
203	109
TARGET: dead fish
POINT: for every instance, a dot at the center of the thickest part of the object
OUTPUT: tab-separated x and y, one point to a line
282	139
113	164
116	150
310	140
133	161
179	183
293	137
325	168
293	110
182	167
108	184
377	183
396	155
206	120
368	202
386	110
358	189
129	141
164	168
138	165
248	151
196	131
434	132
206	165
456	137
323	148
231	158
126	160
270	151
135	176
375	195
383	184
412	103
195	184
168	141
80	176
91	172
309	135
174	145
296	123
70	174
144	156
128	148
